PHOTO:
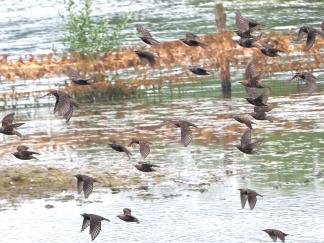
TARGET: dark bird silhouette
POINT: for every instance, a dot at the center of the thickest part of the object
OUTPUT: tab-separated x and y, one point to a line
186	133
8	127
245	120
146	35
248	42
245	26
145	167
260	109
269	50
144	146
85	184
127	216
274	234
64	104
261	100
94	221
309	78
199	71
120	148
246	145
311	35
248	195
252	78
77	78
146	56
261	116
24	154
193	40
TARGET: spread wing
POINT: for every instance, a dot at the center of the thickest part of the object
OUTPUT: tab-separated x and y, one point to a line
300	33
140	29
8	119
250	71
242	24
310	40
144	148
186	134
244	198
87	187
95	226
79	185
85	224
252	200
64	105
251	92
246	138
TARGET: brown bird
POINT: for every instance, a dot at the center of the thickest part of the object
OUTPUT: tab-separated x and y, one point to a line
245	120
186	133
85	184
248	42
269	50
77	78
8	127
245	26
144	146
24	154
120	148
274	234
146	35
64	104
311	35
261	116
199	71
145	167
146	56
193	40
248	195
246	145
127	216
261	100
94	221
309	78
252	78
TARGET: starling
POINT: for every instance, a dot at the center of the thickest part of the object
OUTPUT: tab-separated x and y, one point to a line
77	78
120	148
250	195
310	80
199	71
146	35
311	35
144	146
248	42
193	40
95	224
146	56
274	234
24	154
127	216
246	145
145	167
260	100
245	26
85	184
186	133
261	115
269	50
261	109
64	104
245	120
252	78
8	127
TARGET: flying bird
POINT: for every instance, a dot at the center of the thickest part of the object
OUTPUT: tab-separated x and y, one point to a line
127	216
248	195
274	234
269	50
309	78
193	40
146	35
199	71
261	100
144	146
186	133
146	56
261	115
85	184
77	78
120	148
64	104
260	109
94	221
23	153
8	127
245	26
252	78
245	120
145	167
246	145
248	42
311	35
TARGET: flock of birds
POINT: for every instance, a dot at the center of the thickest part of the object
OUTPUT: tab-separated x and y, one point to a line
65	105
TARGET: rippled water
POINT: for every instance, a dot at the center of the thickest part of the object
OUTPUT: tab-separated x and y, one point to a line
193	197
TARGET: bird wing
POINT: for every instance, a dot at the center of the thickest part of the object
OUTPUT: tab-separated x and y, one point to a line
192	36
186	134
140	29
22	148
250	71
64	105
144	148
310	39
8	119
281	235
300	33
265	95
252	200
79	185
251	92
246	138
95	226
241	23
85	224
74	74
273	236
244	198
87	187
